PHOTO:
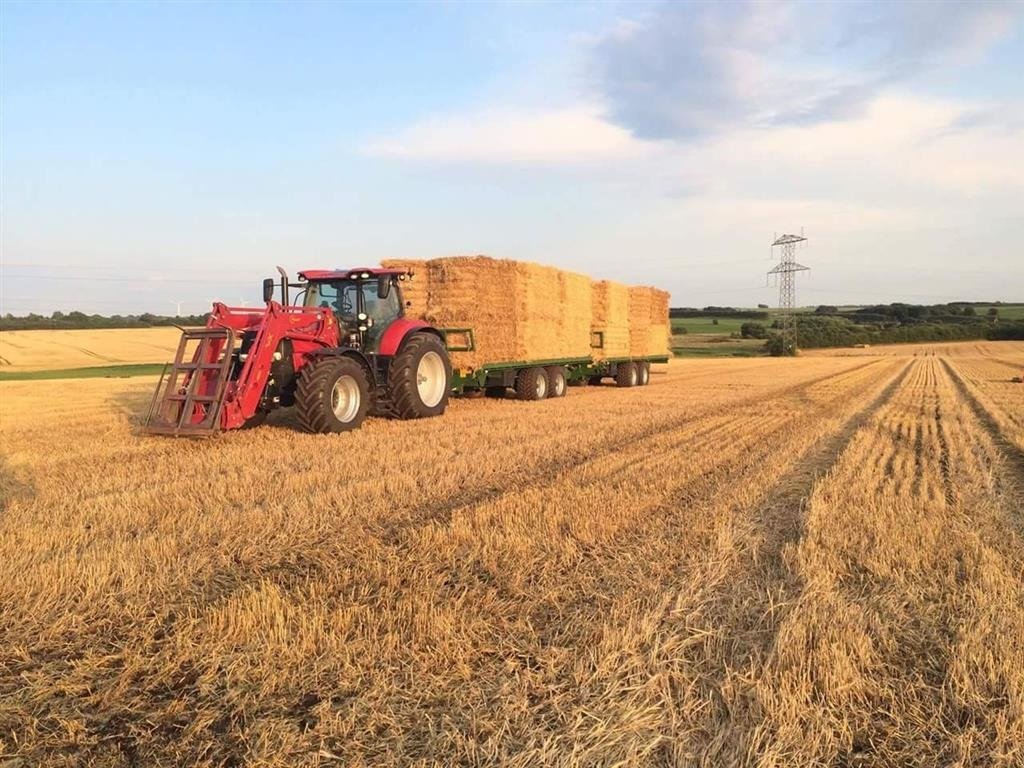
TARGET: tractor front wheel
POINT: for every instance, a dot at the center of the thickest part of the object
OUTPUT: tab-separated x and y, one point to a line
333	395
421	378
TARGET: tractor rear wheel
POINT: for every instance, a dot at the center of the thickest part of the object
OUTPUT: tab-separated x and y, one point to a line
420	379
625	375
643	374
531	384
595	381
557	381
333	395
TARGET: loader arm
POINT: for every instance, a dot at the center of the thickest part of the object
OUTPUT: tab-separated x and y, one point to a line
212	385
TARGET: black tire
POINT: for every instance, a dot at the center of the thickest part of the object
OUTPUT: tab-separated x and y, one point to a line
643	374
595	381
333	395
557	381
625	375
496	392
422	360
531	384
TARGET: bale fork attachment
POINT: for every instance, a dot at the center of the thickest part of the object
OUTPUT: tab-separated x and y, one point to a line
190	394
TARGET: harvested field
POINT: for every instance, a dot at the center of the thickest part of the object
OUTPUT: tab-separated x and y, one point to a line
46	350
770	562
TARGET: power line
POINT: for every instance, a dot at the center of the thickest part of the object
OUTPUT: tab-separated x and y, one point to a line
137	280
112	268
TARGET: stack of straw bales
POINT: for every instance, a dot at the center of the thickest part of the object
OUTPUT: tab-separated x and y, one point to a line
415	287
517	311
660	331
610	317
648	322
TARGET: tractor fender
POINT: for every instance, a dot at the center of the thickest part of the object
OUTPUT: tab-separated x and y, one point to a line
355	354
396	334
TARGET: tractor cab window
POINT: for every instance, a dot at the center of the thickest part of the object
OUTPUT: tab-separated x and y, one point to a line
382	310
338	297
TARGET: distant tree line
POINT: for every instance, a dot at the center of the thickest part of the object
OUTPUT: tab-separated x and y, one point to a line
829	331
67	321
746	314
895	323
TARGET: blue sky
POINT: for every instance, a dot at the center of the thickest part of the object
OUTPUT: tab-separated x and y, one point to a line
157	153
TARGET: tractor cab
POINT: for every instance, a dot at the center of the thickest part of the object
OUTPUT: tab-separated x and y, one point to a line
365	302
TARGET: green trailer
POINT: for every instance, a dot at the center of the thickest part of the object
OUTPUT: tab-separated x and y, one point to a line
540	379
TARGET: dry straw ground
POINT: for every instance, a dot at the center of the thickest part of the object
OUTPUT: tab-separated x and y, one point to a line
761	562
45	350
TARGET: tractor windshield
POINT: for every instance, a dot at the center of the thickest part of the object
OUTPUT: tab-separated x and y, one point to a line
350	298
340	297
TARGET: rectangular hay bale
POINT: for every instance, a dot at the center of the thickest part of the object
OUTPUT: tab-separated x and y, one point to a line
610	318
414	288
639	320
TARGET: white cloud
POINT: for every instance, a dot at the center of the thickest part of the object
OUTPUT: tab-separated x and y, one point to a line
899	139
687	70
498	136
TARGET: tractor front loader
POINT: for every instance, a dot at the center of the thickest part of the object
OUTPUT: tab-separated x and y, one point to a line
346	351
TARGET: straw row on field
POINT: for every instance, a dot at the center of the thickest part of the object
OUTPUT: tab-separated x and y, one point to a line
520	311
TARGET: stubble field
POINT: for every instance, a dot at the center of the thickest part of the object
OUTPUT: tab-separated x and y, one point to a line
767	562
42	350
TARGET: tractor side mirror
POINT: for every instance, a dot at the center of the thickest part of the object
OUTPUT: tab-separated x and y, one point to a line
383	287
268	289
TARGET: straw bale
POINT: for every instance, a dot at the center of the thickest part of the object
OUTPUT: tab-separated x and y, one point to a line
639	320
610	317
480	293
414	288
658	333
659	307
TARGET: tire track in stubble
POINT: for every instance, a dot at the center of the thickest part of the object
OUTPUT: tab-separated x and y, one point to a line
779	519
1012	455
550	472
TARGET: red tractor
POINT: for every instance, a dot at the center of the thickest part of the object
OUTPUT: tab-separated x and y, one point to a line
342	350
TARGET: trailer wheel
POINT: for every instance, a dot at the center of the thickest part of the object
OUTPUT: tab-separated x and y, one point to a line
333	395
643	374
557	381
531	384
421	378
595	381
625	375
